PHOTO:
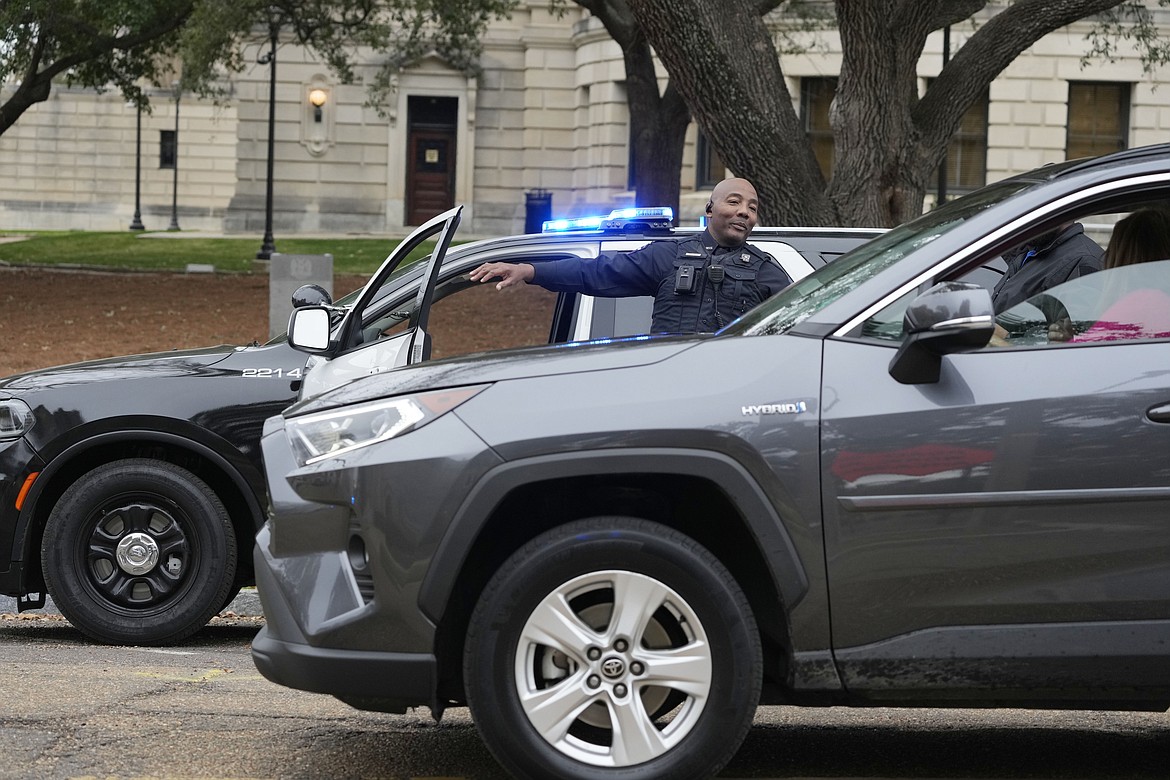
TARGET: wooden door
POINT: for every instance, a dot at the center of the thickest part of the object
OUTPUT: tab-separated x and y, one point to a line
430	177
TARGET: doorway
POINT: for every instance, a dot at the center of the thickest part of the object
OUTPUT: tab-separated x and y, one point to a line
430	155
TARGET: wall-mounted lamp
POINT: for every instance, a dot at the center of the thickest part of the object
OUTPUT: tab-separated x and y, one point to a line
316	122
317	97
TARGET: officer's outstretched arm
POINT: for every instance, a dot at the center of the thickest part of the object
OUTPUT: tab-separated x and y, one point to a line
508	273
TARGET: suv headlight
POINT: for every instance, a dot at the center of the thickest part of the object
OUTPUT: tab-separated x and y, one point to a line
323	435
15	418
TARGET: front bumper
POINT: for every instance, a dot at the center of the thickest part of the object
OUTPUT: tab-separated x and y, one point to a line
366	679
17	461
340	563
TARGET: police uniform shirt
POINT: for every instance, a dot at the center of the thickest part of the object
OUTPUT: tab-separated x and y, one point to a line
1032	270
749	277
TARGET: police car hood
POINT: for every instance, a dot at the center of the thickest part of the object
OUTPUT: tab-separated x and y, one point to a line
176	362
499	365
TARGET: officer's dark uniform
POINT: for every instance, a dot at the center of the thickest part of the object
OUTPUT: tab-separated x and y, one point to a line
688	296
1049	261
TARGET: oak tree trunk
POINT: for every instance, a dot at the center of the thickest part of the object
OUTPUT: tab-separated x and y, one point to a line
658	120
722	60
888	141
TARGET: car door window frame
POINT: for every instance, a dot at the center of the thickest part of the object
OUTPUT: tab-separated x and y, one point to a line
463	264
1109	197
349	332
1094	200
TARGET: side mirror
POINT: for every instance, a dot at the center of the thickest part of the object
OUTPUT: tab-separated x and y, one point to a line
308	329
311	295
949	317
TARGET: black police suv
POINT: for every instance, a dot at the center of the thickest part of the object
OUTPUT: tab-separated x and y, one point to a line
131	488
870	490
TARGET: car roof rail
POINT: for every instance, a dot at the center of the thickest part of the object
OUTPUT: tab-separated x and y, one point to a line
1125	155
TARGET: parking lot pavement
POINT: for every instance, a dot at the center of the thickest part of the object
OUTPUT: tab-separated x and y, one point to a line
247	604
76	709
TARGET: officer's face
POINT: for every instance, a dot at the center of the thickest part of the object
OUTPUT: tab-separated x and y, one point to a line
732	214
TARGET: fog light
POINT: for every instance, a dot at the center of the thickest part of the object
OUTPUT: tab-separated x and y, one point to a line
359	559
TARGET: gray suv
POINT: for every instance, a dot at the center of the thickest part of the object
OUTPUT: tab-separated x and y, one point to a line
870	490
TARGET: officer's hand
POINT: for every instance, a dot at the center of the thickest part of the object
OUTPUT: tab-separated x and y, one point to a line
508	273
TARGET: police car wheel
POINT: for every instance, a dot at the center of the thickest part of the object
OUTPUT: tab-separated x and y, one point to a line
613	646
139	552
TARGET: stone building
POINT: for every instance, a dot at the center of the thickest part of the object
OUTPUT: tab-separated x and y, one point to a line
546	115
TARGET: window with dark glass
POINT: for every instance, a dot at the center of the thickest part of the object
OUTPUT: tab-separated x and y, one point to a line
816	95
166	149
1098	118
709	167
966	163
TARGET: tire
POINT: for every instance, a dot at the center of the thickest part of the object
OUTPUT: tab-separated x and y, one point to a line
139	552
677	602
229	597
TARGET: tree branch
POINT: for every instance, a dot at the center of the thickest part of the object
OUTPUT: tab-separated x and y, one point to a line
616	17
161	26
950	12
987	53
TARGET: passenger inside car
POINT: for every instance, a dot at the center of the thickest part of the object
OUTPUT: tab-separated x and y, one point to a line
1141	306
1129	299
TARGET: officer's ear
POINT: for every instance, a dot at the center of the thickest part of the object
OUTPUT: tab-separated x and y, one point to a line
710	206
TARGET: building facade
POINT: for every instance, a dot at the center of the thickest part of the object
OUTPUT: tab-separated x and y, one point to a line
546	119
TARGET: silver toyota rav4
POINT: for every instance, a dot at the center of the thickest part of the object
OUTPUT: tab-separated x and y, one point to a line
872	489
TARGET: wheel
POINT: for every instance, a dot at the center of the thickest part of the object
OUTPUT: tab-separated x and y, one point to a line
139	552
612	647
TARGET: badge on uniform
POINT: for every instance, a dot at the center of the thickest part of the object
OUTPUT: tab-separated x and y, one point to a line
745	258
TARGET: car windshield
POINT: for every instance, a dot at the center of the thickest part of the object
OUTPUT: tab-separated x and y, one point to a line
801	300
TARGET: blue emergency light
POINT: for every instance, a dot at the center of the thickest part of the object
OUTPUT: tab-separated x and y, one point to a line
618	219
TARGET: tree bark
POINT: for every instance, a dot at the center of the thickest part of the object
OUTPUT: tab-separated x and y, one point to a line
658	120
722	59
888	141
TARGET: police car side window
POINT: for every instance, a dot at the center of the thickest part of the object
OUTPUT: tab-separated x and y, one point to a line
473	317
795	264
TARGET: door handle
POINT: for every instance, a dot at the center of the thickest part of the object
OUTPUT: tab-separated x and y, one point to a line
1160	414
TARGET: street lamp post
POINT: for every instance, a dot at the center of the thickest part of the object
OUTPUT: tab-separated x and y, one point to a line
175	186
268	246
136	222
942	170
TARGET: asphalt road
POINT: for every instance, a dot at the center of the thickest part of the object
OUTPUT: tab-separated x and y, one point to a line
73	709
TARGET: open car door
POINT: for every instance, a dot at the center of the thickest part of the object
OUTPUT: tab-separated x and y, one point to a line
372	339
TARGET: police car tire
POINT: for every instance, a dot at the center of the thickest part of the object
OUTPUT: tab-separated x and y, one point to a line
569	566
167	510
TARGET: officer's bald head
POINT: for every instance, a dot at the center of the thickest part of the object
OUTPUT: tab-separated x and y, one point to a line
731	212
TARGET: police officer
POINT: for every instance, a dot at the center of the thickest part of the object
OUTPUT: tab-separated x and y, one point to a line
1050	259
699	283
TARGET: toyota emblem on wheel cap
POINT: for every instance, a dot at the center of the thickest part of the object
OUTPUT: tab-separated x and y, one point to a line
613	667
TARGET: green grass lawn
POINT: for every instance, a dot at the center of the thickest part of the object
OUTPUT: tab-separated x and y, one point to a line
139	251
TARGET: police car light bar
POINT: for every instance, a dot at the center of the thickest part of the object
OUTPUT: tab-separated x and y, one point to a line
618	219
